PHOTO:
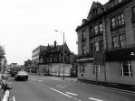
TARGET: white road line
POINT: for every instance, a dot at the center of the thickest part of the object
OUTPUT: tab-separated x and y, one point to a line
69	93
94	99
14	98
6	96
61	92
40	80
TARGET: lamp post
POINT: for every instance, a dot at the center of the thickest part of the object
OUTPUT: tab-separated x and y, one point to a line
63	34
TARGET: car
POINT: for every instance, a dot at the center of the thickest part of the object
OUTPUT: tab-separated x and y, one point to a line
21	75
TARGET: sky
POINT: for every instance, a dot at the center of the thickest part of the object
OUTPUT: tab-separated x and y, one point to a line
26	24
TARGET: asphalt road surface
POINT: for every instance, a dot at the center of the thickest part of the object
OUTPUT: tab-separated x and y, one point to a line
39	88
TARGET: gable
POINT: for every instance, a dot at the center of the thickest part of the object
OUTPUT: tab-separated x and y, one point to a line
96	8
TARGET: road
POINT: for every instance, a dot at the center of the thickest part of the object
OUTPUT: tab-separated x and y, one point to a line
40	88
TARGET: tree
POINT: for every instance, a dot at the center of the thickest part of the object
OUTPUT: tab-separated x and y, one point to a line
28	63
2	52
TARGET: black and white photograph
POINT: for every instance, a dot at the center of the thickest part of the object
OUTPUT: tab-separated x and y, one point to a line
67	50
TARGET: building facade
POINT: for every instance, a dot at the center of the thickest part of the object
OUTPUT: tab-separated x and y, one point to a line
53	59
106	43
37	58
59	59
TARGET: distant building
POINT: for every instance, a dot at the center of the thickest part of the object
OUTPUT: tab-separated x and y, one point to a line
36	53
106	43
55	60
59	59
36	57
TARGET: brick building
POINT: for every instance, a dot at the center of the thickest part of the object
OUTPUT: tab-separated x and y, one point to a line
106	43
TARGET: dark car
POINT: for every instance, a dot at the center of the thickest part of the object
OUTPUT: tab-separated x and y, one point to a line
22	75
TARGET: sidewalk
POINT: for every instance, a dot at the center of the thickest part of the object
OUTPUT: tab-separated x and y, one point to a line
65	78
56	77
111	85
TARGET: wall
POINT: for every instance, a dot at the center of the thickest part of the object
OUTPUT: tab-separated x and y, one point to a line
43	69
57	69
88	73
113	70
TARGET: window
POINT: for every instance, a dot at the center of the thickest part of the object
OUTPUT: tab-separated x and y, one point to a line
91	49
97	46
101	45
119	41
119	1
96	29
82	68
83	36
122	19
126	68
113	22
115	42
117	21
101	27
123	40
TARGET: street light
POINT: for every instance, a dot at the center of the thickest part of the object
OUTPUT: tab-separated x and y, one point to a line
62	48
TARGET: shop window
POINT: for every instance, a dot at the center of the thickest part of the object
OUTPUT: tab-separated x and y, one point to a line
126	68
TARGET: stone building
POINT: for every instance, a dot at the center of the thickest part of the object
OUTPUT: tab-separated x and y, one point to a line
59	59
54	59
37	58
106	43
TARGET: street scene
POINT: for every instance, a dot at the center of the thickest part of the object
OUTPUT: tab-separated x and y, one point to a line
74	50
40	88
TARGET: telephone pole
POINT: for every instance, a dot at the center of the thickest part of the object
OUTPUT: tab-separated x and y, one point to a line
63	53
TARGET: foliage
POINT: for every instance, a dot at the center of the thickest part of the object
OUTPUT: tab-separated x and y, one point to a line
2	51
28	63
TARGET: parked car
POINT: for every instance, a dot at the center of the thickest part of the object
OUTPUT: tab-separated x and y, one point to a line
22	75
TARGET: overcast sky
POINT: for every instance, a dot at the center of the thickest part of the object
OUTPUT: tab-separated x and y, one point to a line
26	24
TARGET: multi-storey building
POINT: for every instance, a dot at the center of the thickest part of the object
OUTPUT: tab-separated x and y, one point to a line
59	59
37	52
37	57
106	43
53	60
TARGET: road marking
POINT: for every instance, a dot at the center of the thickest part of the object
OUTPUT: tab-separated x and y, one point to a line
40	80
69	93
14	98
123	91
6	96
61	92
94	99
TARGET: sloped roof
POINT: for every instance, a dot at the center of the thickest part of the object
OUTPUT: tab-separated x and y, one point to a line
95	5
